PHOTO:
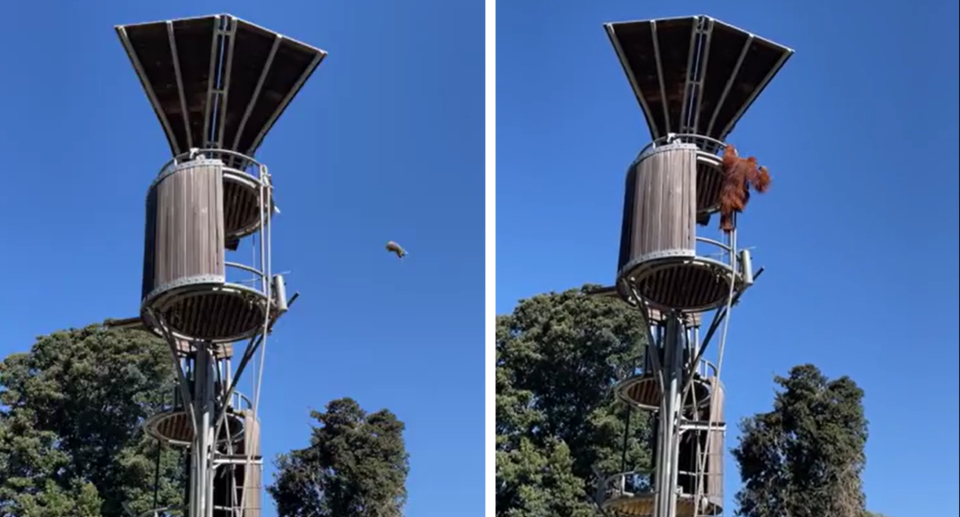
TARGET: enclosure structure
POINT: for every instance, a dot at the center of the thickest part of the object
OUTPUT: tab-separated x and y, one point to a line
217	84
694	78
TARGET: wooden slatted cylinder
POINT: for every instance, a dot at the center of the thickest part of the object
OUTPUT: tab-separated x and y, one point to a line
695	447
253	476
239	487
660	205
714	471
185	227
658	259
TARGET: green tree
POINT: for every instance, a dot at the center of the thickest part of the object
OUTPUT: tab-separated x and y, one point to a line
805	457
355	466
70	416
558	355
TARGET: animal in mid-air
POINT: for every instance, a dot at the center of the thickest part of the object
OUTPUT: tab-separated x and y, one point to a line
396	249
739	175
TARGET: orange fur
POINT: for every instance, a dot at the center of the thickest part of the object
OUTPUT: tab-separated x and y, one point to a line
739	174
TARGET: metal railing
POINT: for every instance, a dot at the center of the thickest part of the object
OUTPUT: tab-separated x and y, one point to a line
232	160
640	482
704	143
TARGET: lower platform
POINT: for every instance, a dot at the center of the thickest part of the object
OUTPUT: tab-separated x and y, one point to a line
643	392
625	504
173	427
631	494
166	511
208	310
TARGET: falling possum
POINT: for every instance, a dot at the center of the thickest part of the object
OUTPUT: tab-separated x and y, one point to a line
396	249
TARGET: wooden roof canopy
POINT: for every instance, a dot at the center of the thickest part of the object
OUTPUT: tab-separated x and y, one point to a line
694	75
217	81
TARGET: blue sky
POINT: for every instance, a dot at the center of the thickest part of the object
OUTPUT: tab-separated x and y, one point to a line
858	233
385	142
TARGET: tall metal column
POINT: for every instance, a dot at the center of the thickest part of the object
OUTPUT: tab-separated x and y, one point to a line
204	405
672	374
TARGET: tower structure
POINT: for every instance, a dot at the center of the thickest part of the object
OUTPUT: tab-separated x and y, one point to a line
217	85
694	77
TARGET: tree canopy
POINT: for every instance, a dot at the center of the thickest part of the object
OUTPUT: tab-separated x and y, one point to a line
72	445
70	415
558	426
355	466
805	457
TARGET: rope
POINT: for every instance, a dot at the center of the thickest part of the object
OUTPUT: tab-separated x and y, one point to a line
702	461
266	259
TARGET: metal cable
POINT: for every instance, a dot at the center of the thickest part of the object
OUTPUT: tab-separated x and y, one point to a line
265	259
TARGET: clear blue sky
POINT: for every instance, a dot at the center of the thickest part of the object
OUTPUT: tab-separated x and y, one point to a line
858	234
385	142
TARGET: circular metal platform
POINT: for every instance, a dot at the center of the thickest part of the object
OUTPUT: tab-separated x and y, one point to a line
173	427
165	511
643	392
241	204
680	282
208	309
641	505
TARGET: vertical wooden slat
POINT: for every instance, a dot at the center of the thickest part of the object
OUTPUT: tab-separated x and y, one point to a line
689	172
641	199
628	224
218	237
150	244
654	202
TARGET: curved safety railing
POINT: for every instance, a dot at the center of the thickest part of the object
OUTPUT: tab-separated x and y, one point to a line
705	143
637	486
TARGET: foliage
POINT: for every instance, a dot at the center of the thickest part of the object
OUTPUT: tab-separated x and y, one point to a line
70	415
355	466
805	458
558	426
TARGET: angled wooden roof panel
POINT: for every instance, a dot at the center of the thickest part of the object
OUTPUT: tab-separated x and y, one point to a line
217	81
694	74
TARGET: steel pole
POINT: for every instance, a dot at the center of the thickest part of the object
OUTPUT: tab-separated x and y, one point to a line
201	465
671	372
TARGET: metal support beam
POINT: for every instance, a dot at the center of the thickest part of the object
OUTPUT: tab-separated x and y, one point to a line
672	373
202	448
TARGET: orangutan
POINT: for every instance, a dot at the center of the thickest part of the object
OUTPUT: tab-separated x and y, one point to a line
739	175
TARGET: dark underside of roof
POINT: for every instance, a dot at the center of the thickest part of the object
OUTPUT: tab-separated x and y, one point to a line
217	81
696	74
